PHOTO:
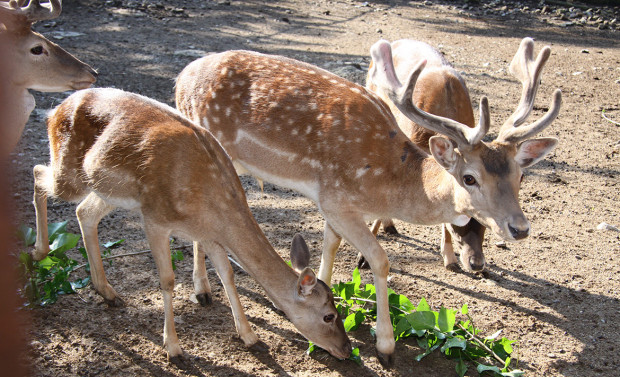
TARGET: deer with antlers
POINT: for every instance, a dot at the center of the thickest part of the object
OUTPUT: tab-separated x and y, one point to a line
34	62
301	127
111	149
440	90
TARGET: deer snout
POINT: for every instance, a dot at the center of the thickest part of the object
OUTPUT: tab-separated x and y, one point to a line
519	228
342	352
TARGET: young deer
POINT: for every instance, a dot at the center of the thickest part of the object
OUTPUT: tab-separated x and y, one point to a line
113	149
35	63
301	127
440	90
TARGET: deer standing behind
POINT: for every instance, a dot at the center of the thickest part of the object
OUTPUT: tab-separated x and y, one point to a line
440	90
301	127
35	63
111	148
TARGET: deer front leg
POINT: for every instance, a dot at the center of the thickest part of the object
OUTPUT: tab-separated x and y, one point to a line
202	289
354	229
447	251
89	212
219	258
331	241
160	248
42	177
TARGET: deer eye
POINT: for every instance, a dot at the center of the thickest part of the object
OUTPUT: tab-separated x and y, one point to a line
37	50
328	318
469	180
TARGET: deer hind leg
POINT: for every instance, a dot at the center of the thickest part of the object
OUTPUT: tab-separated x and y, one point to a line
219	257
202	289
89	212
447	251
331	241
160	248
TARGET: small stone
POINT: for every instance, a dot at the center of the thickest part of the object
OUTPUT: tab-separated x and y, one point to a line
585	51
501	244
551	355
605	226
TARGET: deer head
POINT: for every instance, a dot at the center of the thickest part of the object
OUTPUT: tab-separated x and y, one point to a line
487	175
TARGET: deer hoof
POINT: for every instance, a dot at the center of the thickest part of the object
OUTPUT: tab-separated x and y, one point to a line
180	361
116	302
362	264
454	267
204	299
391	230
259	346
386	360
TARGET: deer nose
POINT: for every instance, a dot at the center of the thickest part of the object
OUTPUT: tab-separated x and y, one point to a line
519	234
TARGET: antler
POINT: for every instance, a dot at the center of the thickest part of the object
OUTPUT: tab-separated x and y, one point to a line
34	11
384	76
528	70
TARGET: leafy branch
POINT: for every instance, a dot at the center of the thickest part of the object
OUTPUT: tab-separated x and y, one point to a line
50	277
433	330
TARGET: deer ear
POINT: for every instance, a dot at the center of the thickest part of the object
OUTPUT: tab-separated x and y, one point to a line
443	152
300	255
306	282
531	151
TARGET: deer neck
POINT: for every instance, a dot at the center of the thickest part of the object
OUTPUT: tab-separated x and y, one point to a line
262	262
434	200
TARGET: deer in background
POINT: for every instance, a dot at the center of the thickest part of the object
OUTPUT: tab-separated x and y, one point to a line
440	90
301	127
35	63
111	148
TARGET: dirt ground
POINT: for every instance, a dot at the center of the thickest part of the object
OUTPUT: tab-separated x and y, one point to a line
557	292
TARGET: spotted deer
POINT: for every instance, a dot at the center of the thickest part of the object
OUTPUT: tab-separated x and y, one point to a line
301	127
34	62
440	90
111	148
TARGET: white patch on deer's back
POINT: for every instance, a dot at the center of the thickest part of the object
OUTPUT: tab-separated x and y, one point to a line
313	163
205	122
216	106
295	132
355	89
313	105
360	172
308	129
378	171
228	111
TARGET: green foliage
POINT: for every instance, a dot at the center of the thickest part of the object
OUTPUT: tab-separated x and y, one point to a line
44	280
433	330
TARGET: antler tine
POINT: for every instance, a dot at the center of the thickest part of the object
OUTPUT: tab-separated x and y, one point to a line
384	76
517	134
34	11
528	71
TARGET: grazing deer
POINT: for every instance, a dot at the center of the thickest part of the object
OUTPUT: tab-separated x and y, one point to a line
301	127
440	90
111	148
34	62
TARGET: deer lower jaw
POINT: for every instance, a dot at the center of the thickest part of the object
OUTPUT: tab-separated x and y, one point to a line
460	220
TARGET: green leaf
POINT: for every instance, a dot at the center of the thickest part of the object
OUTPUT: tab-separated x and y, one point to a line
446	319
54	229
64	242
311	348
421	320
357	279
113	244
26	234
428	351
461	368
353	320
487	368
402	326
454	343
48	262
423	306
355	356
464	309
